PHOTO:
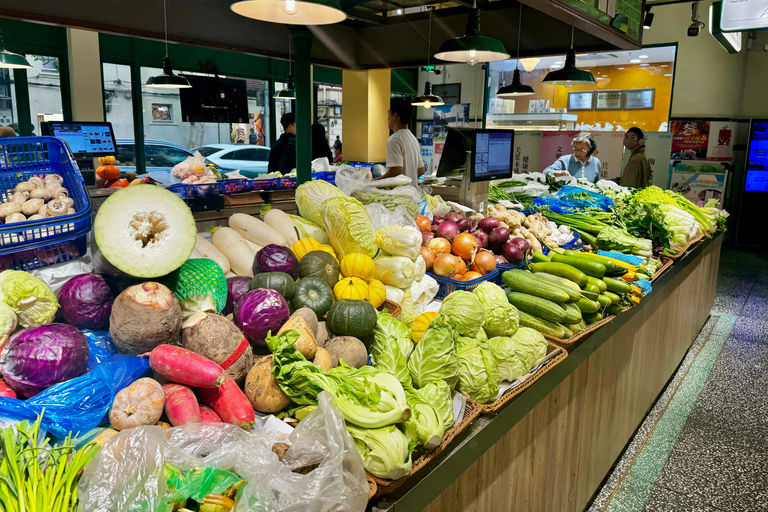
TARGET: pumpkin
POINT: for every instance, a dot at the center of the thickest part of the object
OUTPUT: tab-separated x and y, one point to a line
301	247
107	160
420	325
377	293
351	288
281	282
358	265
139	404
321	265
121	183
352	318
312	293
327	248
108	172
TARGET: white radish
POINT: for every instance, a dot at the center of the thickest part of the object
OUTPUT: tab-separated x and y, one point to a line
237	251
256	248
284	224
207	250
256	231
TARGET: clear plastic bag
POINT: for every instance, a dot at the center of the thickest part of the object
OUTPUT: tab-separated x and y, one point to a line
437	206
127	474
191	166
399	240
532	189
349	178
381	216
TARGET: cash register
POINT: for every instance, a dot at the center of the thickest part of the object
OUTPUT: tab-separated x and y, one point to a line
86	141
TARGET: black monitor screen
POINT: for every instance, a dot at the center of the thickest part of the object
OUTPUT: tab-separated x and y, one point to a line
85	138
492	155
212	99
454	158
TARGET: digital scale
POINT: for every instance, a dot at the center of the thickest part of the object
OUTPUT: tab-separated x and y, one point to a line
85	141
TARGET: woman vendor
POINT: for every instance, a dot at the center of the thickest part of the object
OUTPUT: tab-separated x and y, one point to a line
582	163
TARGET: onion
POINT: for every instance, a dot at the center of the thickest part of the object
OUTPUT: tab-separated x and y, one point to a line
429	257
426	237
447	230
488	224
482	238
436	221
498	237
512	252
423	223
463	224
439	246
501	260
522	244
464	246
447	265
473	224
462	266
472	275
484	263
453	217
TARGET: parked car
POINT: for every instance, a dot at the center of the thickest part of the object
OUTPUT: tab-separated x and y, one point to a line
231	157
160	155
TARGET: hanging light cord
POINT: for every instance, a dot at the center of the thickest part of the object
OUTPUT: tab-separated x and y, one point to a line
519	29
429	37
165	24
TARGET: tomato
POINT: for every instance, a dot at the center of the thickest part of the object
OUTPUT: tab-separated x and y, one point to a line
121	183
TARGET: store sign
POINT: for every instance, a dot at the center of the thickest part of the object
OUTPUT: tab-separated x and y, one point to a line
609	100
580	100
639	99
743	15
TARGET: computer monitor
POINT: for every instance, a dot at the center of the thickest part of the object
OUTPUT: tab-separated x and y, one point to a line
92	138
453	160
492	153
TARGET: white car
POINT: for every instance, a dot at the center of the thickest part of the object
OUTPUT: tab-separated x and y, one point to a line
232	157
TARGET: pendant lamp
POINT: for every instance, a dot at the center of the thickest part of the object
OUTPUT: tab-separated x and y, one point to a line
11	60
167	80
516	88
291	12
428	100
289	93
569	75
472	48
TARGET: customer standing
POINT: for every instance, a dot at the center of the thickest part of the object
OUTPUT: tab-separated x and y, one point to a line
403	152
582	163
282	156
320	146
637	172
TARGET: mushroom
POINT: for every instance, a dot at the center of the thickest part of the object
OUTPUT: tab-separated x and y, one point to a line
37	182
70	211
58	192
8	209
32	206
16	217
41	193
25	186
36	216
43	211
20	197
56	208
70	202
53	178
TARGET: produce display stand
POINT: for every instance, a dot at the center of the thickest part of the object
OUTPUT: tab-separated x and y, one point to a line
666	263
581	335
685	249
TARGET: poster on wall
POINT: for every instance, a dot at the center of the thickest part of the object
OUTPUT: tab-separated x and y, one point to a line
451	116
658	146
427	129
437	151
699	187
722	135
527	152
690	139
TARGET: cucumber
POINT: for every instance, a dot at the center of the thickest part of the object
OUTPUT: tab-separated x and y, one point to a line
615	299
598	282
526	282
614	309
568	331
591	268
587	306
591	288
561	270
540	257
593	318
572	313
577	328
610	266
617	285
537	306
541	325
620	271
565	282
604	301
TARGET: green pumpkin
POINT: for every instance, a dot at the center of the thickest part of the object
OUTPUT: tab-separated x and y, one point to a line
349	317
314	294
321	265
281	282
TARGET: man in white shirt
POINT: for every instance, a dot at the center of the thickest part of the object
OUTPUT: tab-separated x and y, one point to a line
403	152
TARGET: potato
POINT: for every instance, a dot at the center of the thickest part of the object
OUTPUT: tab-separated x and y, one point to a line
262	388
322	335
323	359
306	342
311	318
348	348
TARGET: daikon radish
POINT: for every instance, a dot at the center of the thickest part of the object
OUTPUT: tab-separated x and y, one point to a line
284	224
208	250
256	231
236	250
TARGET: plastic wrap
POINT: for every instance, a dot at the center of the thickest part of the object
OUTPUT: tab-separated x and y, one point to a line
399	241
380	216
127	473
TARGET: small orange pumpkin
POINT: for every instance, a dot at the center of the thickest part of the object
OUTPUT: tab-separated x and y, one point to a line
107	160
108	172
420	325
377	293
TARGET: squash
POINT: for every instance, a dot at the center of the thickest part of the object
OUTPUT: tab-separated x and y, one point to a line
107	160
312	293
355	318
327	248
358	265
108	172
304	246
420	325
321	265
351	288
377	293
139	404
281	282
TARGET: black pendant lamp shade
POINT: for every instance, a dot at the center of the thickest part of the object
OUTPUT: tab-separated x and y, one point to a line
569	74
427	99
516	88
289	93
167	80
472	47
10	60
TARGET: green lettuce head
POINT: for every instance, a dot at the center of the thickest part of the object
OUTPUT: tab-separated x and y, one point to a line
479	376
425	425
501	318
464	310
487	292
516	355
391	347
29	297
384	450
434	357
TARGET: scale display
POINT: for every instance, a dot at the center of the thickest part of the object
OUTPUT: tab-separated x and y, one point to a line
86	138
492	155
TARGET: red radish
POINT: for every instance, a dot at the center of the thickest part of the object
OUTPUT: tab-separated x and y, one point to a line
453	217
501	260
208	415
230	403
463	224
181	405
482	238
426	237
499	237
512	252
185	367
522	244
447	230
6	391
488	224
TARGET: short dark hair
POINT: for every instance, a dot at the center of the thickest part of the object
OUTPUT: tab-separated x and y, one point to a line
287	120
637	131
403	108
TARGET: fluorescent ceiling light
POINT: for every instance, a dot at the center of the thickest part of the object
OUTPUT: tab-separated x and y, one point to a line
642	57
635	61
645	64
619	68
668	74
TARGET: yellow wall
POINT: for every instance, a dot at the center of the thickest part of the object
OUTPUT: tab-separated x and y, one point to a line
365	104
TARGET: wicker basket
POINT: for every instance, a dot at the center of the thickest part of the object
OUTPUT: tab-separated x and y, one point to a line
685	249
666	262
372	487
393	308
471	412
583	334
554	356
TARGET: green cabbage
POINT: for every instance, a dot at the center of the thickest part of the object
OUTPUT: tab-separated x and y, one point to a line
465	311
349	227
399	240
426	423
434	357
391	347
516	355
7	323
408	312
487	291
438	394
310	197
28	296
479	376
311	230
501	318
385	451
395	270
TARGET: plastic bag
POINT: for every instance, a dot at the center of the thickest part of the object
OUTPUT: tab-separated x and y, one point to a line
56	275
397	181
192	165
532	189
399	241
321	164
423	292
79	404
437	206
380	216
101	349
349	178
127	473
395	270
595	200
349	227
554	204
389	199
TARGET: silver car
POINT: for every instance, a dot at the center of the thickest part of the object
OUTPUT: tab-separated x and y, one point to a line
231	157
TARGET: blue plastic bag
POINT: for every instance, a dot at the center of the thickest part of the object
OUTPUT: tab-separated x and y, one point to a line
554	204
596	201
100	347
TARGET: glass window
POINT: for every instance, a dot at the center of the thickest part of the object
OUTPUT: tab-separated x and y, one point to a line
229	156
126	154
207	151
118	102
253	155
44	87
329	111
8	116
159	155
282	107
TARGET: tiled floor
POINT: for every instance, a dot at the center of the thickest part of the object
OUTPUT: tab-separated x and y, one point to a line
704	446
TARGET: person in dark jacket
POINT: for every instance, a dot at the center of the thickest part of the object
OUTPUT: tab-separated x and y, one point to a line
320	146
637	172
282	156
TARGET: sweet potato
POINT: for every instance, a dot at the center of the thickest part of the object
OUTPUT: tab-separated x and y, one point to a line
181	405
185	367
230	403
208	415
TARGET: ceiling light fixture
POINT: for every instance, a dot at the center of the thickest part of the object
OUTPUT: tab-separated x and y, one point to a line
291	12
648	21
10	60
530	63
516	88
642	56
472	47
570	75
289	93
619	68
635	61
167	80
428	100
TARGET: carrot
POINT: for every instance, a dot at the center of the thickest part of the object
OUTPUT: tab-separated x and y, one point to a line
208	415
230	403
6	391
186	367
181	405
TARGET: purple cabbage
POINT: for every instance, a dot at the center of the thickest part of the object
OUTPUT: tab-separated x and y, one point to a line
276	258
236	287
39	357
260	311
86	301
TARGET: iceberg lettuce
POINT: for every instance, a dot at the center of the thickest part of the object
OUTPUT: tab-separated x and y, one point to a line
391	347
479	376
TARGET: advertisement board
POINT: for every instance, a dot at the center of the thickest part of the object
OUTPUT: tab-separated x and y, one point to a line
699	187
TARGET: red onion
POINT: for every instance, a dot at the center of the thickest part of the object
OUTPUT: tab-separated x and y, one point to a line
499	236
488	224
463	224
482	238
522	244
436	221
453	217
512	252
473	224
501	260
447	230
426	237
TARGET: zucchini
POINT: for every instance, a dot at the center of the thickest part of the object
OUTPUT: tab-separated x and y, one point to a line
568	331
540	257
610	266
537	306
526	282
617	285
604	301
593	318
587	306
598	282
615	299
591	288
572	313
615	309
591	268
620	271
561	270
541	325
